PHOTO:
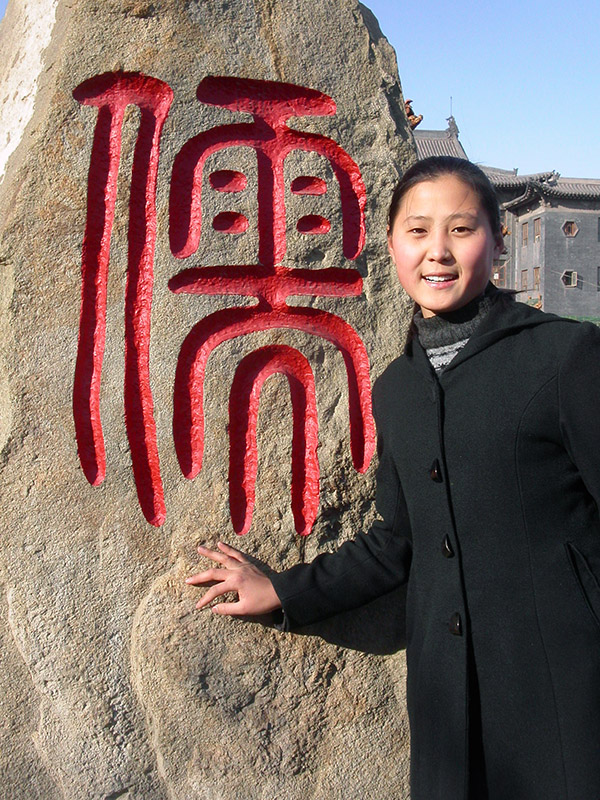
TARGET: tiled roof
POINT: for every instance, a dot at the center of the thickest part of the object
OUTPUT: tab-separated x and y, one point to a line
438	143
525	187
542	184
509	179
573	187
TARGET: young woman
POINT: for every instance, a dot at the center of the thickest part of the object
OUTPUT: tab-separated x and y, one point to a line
488	493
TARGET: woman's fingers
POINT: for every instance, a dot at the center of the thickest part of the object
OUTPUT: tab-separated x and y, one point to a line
233	609
211	594
232	552
214	555
208	576
225	555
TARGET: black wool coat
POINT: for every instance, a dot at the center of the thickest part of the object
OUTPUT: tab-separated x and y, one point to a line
488	494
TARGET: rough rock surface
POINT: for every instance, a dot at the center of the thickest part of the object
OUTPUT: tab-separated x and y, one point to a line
111	685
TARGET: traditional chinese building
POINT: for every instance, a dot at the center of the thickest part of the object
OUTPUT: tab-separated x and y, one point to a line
552	256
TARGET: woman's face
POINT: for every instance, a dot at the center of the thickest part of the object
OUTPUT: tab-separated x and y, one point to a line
442	245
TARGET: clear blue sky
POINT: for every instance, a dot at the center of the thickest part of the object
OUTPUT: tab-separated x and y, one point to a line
524	77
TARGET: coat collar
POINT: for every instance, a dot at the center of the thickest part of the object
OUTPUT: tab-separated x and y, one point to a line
505	317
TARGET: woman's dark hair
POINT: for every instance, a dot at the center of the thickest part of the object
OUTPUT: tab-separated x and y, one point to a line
428	169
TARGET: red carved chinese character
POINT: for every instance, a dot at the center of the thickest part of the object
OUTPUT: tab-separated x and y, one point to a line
112	92
244	398
271	105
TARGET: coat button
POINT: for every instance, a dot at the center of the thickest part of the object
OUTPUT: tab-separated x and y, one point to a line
447	547
435	473
455	624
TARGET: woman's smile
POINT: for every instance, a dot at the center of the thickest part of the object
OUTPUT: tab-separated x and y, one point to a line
440	281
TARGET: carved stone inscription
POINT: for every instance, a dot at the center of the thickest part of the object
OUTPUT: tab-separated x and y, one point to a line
271	104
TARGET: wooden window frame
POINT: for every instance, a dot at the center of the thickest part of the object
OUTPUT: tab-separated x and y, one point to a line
570	278
570	228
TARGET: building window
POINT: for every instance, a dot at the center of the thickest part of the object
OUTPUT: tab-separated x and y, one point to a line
525	234
569	278
598	279
499	275
536	278
570	229
599	229
524	279
537	229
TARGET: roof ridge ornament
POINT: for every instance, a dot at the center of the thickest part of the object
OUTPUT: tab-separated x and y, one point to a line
452	126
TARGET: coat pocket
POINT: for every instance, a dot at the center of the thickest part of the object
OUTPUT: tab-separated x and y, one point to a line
588	582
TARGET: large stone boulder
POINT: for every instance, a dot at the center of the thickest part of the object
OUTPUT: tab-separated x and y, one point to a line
123	180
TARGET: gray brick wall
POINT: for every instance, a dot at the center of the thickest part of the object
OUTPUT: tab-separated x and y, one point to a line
580	253
554	253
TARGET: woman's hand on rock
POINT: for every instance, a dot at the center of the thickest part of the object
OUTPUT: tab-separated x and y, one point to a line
254	589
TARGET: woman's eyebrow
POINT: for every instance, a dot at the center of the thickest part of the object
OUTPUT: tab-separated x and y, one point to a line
416	218
470	215
464	215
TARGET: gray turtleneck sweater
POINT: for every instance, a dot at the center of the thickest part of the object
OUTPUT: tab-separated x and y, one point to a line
444	335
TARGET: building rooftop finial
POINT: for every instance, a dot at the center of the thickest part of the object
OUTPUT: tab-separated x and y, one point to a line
452	126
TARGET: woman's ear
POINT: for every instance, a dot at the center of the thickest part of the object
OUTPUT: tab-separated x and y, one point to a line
389	245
